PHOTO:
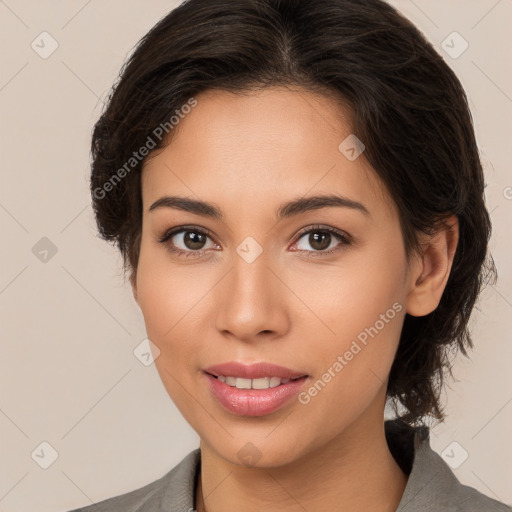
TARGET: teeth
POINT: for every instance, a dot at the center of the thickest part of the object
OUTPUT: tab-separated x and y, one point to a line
262	383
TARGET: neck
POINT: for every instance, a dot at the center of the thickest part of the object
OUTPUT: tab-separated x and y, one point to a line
355	469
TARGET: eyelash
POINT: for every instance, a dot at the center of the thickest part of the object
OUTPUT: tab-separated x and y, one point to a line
342	237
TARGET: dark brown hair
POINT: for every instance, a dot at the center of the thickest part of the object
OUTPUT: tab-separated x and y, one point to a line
407	105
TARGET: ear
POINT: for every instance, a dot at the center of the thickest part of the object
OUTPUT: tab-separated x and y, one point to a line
431	268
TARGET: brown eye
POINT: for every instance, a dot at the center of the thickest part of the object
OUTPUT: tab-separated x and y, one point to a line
193	240
322	240
319	240
187	241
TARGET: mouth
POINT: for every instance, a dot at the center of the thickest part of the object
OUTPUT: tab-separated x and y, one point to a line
259	383
260	396
254	390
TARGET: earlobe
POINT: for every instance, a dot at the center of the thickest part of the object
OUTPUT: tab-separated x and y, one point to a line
431	269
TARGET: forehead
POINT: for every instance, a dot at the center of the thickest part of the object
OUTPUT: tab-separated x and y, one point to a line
257	147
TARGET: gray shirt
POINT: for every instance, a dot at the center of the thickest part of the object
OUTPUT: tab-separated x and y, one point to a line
431	487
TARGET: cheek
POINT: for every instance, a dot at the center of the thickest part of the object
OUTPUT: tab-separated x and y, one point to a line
351	294
168	293
352	366
360	303
167	300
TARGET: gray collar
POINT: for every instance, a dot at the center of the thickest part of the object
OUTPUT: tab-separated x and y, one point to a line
431	487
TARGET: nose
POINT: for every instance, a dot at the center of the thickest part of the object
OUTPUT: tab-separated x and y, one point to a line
252	301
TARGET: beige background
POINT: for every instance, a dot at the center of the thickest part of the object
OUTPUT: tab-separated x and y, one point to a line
69	325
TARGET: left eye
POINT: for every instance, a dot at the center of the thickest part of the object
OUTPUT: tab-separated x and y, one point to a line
321	239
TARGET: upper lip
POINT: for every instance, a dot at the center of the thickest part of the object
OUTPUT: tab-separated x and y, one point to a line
253	371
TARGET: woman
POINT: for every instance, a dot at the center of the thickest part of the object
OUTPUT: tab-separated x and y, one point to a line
296	190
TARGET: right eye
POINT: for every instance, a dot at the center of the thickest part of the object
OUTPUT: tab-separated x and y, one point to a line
186	241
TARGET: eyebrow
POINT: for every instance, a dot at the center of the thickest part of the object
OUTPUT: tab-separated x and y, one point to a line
285	210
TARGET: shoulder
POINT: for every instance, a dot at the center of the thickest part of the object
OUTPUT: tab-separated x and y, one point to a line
469	499
432	486
174	491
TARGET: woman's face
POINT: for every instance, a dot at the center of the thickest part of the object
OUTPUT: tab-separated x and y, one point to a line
265	283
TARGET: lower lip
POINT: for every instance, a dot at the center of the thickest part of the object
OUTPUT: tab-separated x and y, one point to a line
253	402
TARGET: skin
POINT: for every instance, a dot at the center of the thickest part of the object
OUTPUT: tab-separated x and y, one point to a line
247	154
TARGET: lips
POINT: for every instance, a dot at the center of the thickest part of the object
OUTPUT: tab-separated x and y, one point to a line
253	402
254	371
253	389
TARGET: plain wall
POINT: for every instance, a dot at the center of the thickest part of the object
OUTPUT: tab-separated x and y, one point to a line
69	325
